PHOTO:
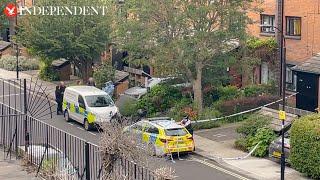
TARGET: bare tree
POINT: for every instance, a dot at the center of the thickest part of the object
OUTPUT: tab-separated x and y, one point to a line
119	145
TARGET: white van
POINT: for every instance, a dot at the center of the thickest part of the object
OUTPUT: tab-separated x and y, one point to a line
88	105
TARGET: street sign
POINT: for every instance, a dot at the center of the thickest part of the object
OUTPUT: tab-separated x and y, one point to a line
282	115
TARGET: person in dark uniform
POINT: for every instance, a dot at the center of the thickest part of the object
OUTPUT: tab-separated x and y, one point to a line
59	97
91	82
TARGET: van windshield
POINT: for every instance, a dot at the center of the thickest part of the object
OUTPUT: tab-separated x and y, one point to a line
99	101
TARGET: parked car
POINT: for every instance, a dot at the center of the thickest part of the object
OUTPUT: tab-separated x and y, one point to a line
137	92
164	135
275	149
54	159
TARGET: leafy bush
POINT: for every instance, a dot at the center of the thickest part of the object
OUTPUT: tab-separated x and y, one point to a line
257	90
160	99
243	104
129	108
305	145
256	43
265	136
209	113
103	74
249	130
254	122
177	112
228	92
9	63
47	73
241	144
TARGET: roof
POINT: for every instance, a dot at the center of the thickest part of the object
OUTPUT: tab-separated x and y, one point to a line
4	45
311	65
120	75
166	124
87	90
60	62
136	91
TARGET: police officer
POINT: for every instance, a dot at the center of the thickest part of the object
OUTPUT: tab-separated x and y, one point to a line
186	122
59	97
91	82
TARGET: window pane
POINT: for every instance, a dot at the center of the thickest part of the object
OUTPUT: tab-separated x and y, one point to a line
288	75
269	22
293	26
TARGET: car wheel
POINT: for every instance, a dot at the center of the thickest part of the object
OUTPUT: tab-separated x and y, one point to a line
66	116
87	125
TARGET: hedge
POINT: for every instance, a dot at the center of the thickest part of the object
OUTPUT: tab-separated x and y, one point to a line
305	145
9	63
243	104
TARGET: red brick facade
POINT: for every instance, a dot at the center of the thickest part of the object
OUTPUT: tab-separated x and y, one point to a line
298	48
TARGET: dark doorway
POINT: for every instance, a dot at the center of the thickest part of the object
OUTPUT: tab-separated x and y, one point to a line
307	88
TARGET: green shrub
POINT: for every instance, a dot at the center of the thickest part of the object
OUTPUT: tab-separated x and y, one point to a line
47	73
254	122
177	111
209	113
241	144
228	92
260	89
243	104
103	74
160	99
265	136
305	145
129	108
9	63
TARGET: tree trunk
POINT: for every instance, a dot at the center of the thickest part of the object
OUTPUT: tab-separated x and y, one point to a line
86	71
197	87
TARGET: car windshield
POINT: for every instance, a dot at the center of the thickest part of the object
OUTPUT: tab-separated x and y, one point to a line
175	132
99	101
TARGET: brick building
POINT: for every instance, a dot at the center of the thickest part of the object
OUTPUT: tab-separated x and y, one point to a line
302	36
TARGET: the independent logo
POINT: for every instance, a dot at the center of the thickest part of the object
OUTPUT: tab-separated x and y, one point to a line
10	10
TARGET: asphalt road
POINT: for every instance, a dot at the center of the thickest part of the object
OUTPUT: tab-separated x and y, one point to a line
190	168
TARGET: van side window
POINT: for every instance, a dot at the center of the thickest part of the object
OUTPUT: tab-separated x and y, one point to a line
81	102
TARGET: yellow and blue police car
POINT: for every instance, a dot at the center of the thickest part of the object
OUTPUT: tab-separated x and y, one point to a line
164	135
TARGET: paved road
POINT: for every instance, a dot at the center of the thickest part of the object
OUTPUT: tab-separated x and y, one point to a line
225	133
192	167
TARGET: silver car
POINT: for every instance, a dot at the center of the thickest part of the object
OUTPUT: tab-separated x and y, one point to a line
275	149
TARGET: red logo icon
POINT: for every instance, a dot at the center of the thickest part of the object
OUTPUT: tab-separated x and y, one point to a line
10	10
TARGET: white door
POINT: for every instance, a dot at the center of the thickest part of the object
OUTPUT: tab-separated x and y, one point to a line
264	73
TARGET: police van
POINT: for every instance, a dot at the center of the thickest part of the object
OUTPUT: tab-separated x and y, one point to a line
88	105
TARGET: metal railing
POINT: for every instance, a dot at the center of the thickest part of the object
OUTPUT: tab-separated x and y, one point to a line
57	153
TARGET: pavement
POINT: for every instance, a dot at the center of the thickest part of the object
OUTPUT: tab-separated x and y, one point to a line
218	145
12	169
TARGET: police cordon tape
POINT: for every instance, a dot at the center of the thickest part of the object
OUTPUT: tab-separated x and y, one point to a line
243	112
239	158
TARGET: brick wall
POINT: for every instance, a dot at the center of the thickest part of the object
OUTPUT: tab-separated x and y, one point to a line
298	50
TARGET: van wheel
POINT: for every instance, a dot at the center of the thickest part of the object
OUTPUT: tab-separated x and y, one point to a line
66	116
87	125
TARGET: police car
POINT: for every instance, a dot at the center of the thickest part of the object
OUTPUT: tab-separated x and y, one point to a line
164	135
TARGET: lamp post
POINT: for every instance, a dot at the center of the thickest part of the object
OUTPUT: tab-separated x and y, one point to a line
283	89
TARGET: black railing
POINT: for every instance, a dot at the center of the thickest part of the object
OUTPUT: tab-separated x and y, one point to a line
58	153
55	152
